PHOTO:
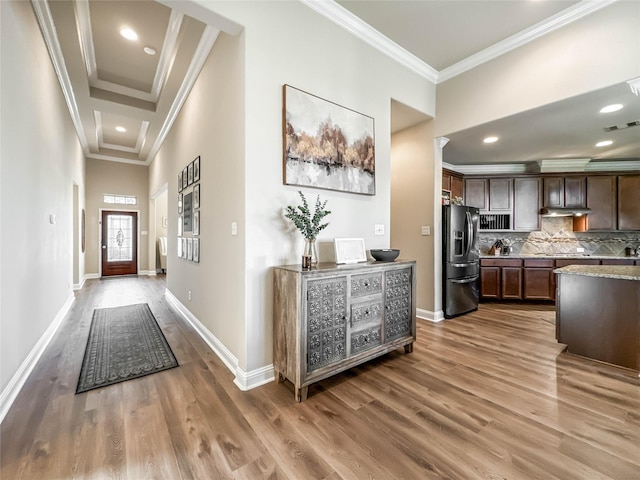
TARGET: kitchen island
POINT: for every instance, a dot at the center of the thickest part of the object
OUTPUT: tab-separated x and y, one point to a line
598	312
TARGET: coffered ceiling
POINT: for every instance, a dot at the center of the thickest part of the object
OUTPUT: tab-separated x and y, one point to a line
123	94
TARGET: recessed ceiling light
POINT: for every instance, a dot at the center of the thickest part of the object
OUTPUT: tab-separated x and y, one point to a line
149	50
490	140
121	129
604	143
611	108
128	33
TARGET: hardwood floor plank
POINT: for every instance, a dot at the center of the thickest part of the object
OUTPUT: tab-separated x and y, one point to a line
488	395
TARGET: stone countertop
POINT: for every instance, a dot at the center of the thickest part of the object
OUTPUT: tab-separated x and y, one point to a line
619	272
561	256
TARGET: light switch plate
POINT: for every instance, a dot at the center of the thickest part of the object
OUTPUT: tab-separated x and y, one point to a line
378	229
234	228
426	230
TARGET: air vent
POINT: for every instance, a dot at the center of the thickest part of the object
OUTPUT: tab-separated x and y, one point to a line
622	126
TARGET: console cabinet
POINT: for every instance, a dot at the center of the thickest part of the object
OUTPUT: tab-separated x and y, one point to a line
334	317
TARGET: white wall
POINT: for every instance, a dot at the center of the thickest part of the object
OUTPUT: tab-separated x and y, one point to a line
41	160
282	43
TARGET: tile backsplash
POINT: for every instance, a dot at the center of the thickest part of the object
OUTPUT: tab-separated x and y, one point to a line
556	236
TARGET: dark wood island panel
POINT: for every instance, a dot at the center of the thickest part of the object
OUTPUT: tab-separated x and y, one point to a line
598	313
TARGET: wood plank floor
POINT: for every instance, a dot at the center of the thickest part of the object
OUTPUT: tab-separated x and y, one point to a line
484	396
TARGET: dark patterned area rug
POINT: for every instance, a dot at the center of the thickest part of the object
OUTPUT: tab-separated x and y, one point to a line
124	343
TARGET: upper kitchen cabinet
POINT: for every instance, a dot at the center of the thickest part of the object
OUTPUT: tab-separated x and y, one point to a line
452	182
601	199
527	192
629	202
563	192
476	193
489	194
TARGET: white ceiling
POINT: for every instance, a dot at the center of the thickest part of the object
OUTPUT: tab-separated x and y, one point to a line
109	81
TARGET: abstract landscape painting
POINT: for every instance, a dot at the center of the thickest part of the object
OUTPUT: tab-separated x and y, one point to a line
326	145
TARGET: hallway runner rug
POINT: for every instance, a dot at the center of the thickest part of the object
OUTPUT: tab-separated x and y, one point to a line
124	343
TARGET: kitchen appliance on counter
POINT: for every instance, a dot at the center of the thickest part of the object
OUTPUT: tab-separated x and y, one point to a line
460	254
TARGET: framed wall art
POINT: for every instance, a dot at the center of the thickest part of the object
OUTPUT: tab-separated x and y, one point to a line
187	212
180	197
180	187
196	250
189	248
190	174
184	178
196	196
184	247
196	222
327	145
350	250
196	169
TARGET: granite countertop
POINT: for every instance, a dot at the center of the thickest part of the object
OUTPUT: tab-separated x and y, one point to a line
560	255
619	272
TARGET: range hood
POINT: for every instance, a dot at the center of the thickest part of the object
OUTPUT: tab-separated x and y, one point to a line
564	212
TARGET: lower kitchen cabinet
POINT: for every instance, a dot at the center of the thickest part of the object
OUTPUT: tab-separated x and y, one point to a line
501	278
538	279
334	317
489	281
512	282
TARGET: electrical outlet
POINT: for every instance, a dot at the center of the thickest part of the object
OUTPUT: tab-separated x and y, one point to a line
426	230
378	229
189	294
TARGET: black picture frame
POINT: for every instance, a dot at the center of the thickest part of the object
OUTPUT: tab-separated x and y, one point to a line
184	178
180	187
190	174
187	212
196	196
196	169
180	197
196	250
196	222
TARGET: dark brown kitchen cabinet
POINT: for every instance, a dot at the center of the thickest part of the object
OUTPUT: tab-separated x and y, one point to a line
538	279
453	183
629	202
476	193
526	203
564	191
601	199
501	278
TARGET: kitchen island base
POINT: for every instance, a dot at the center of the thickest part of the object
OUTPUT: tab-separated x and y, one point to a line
598	315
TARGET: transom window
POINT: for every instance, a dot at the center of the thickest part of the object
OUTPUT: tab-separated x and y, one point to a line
121	199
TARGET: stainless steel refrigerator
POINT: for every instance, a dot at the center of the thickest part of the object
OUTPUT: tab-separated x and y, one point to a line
460	258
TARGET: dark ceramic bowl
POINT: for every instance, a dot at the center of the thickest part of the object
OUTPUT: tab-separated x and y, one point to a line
385	254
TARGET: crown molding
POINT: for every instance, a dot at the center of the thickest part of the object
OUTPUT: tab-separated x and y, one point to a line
534	32
49	34
613	166
365	32
209	37
168	52
347	20
560	165
514	168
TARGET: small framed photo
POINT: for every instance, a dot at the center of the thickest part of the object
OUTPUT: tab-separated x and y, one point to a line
180	187
190	174
196	169
196	250
179	247
184	178
180	225
196	222
196	196
190	249
180	203
184	247
350	250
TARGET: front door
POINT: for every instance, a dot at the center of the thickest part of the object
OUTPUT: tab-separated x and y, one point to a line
119	243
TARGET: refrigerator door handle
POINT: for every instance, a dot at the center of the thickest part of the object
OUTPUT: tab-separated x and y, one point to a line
466	280
469	234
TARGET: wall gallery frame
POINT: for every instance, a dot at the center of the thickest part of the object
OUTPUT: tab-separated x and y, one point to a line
196	250
327	145
196	222
196	169
196	196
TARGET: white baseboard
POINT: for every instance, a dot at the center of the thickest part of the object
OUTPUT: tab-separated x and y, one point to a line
429	315
150	273
10	393
244	380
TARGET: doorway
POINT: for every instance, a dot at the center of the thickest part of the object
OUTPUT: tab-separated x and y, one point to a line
119	243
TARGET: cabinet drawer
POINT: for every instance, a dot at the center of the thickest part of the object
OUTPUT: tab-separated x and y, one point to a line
366	312
564	263
365	339
500	262
362	285
539	262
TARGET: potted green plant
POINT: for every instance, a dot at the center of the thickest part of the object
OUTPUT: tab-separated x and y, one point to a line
308	224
